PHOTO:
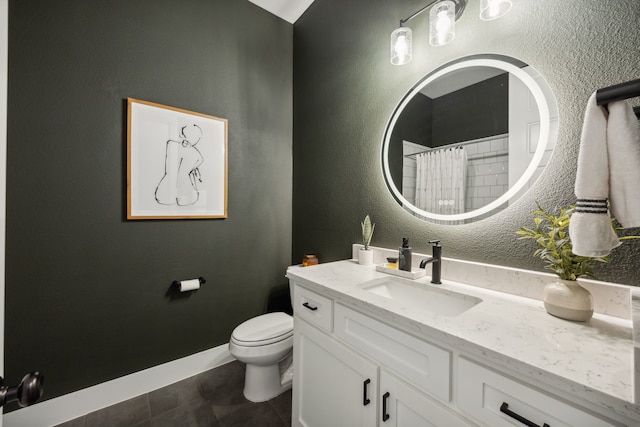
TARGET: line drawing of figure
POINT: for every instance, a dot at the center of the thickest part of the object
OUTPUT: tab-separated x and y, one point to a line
179	184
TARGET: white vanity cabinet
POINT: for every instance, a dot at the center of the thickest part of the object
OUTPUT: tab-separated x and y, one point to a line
365	359
356	371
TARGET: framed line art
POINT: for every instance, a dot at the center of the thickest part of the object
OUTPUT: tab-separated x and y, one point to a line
176	163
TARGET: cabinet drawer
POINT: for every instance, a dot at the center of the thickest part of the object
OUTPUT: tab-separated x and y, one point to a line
482	393
313	308
415	361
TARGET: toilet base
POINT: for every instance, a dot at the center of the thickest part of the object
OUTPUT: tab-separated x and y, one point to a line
262	383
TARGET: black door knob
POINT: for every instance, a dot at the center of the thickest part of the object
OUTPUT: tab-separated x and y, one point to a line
26	393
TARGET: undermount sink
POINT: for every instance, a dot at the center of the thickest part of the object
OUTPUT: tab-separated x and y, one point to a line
421	296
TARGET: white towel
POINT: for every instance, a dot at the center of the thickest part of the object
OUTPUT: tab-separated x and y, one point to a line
590	229
623	142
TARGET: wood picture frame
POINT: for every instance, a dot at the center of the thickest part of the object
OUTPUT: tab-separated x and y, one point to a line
176	163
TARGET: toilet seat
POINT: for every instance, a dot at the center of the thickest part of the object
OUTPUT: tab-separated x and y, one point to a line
263	330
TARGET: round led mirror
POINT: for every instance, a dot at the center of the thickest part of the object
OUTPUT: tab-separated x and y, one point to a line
469	138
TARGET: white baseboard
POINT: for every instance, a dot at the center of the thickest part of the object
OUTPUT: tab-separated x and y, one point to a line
73	405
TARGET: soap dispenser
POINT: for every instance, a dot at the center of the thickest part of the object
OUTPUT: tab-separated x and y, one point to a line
404	255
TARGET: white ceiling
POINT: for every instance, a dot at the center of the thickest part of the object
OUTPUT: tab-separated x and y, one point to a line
289	10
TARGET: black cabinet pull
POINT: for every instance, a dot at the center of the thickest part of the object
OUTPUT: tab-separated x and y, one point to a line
385	415
365	399
306	304
504	408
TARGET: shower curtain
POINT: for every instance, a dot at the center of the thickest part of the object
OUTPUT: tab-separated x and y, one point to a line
441	177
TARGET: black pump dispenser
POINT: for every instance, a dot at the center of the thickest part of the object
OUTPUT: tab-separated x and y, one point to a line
404	256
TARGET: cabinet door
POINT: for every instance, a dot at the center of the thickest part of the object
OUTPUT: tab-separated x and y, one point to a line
403	406
418	362
333	386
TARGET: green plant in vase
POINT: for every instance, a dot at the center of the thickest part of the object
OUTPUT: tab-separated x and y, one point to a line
365	255
566	298
551	232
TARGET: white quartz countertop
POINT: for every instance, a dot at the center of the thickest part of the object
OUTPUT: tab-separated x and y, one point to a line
592	361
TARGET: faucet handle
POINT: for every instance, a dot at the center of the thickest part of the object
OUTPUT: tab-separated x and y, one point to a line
435	242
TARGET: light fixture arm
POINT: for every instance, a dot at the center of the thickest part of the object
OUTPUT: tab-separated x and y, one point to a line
460	5
414	14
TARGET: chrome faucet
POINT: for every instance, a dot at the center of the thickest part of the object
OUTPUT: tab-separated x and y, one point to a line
435	261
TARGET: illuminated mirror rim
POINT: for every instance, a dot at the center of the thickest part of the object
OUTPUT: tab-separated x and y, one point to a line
545	127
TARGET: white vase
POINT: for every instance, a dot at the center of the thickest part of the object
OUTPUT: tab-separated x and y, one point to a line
365	257
568	300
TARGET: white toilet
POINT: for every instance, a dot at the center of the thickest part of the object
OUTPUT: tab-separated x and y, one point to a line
265	344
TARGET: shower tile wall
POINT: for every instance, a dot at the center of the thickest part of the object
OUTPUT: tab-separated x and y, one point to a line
487	172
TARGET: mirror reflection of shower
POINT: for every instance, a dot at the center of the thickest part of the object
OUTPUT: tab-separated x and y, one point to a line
457	179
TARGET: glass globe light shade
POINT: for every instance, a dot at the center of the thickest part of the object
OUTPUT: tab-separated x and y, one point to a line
442	23
401	46
494	9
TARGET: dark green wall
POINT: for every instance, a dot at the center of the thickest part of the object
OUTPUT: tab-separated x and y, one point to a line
85	288
477	111
345	90
415	124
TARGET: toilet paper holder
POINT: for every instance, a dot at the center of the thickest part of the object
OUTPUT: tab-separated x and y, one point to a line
177	284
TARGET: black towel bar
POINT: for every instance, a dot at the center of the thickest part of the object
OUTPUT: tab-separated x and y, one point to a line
630	89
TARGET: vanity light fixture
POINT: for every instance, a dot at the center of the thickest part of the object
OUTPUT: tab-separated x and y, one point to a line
442	22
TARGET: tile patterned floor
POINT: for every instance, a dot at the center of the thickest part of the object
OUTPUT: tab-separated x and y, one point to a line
210	399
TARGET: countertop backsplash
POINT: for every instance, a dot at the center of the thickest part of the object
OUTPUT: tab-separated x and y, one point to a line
609	298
